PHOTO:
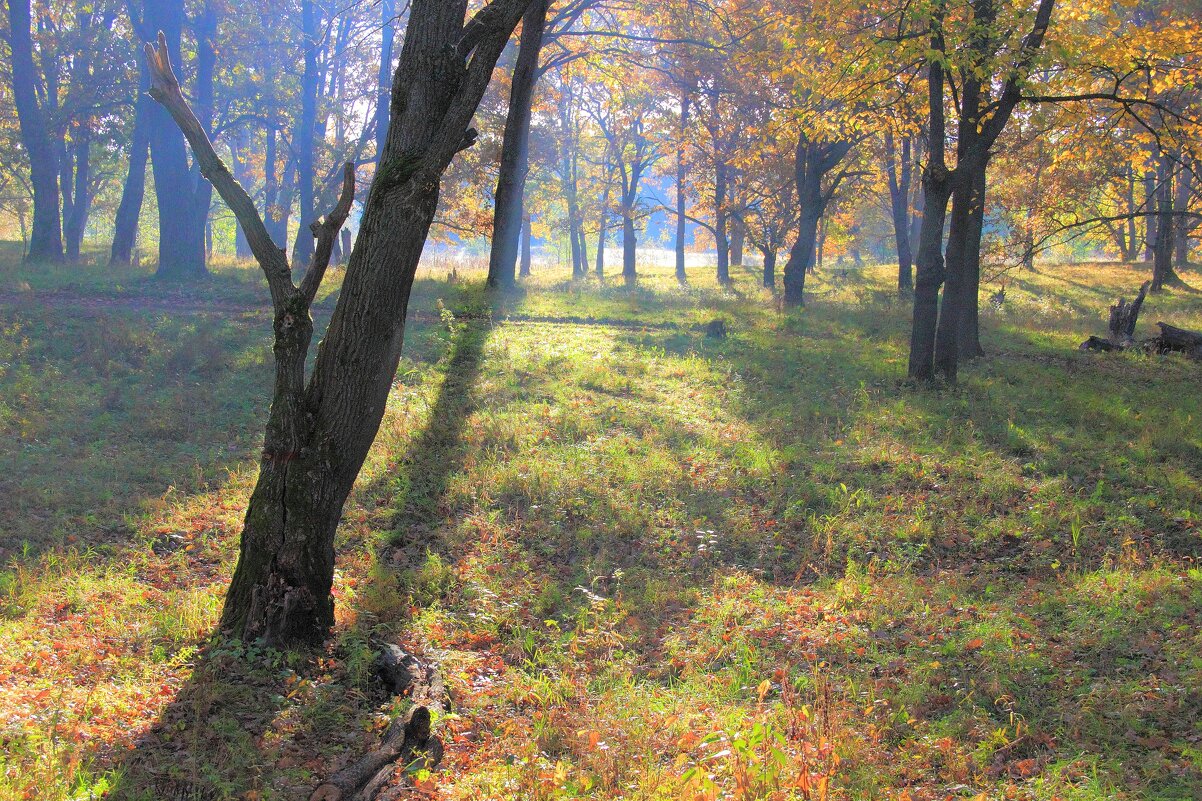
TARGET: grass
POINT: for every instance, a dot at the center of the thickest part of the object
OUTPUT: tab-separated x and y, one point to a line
652	565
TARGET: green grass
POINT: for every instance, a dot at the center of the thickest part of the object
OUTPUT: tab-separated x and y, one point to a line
652	565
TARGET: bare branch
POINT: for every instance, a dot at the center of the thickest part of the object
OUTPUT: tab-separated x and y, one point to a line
326	232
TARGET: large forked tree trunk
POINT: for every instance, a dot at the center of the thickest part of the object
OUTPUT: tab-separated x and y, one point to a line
515	150
320	429
982	120
46	239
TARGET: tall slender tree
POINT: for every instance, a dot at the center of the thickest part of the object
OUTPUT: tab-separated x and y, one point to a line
46	239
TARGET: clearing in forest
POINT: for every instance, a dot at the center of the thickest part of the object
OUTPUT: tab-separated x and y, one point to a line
652	564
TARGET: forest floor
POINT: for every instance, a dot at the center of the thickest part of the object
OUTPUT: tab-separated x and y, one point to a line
652	565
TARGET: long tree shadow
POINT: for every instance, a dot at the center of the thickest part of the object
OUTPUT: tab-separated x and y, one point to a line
438	453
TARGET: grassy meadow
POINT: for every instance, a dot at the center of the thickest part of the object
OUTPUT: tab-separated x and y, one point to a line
652	565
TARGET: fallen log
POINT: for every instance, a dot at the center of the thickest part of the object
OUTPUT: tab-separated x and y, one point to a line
408	743
1178	340
404	673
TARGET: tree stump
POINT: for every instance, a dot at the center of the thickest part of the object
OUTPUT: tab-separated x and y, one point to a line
1123	317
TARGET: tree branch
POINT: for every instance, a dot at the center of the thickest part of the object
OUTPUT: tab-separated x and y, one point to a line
326	232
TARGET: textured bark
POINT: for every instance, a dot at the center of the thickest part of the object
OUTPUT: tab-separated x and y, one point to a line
320	429
983	117
515	150
1178	340
408	742
969	336
46	239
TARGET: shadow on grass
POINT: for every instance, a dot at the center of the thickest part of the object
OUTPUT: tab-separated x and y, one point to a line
437	455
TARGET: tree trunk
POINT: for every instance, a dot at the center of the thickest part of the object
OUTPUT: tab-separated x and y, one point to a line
769	267
899	174
384	78
129	212
738	239
808	177
181	241
515	150
1150	206
1130	248
721	242
1181	234
524	269
629	272
956	279
969	335
937	189
1162	252
304	137
76	222
801	260
46	239
603	226
681	275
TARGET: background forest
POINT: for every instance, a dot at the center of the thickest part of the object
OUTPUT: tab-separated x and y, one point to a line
743	443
